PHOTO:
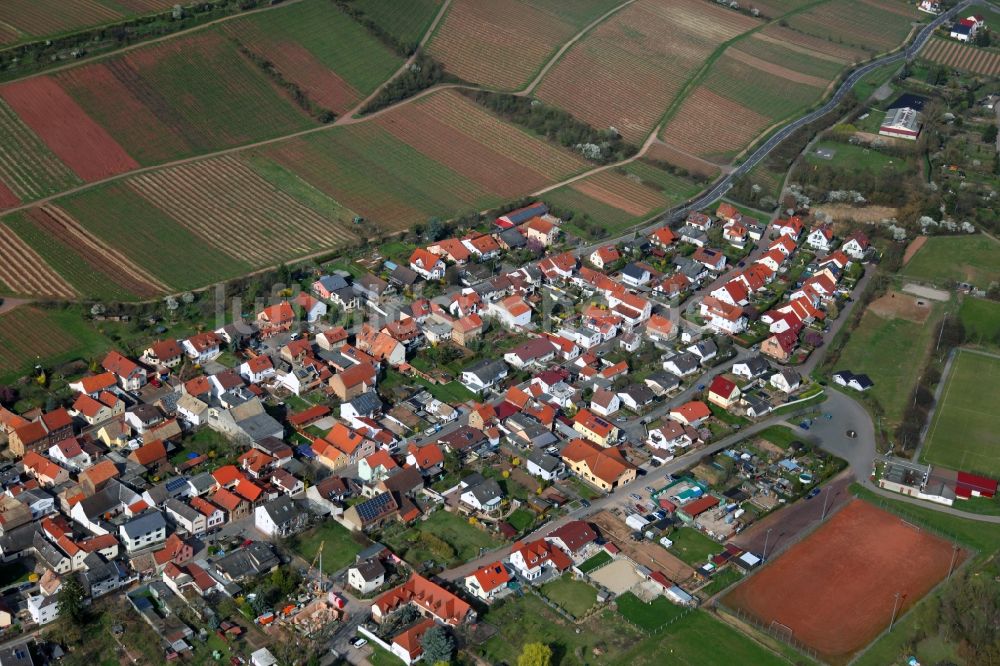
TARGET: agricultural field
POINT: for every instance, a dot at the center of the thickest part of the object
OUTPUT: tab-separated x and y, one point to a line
406	22
974	259
746	91
442	155
230	208
24	272
519	35
621	197
180	97
875	26
329	55
66	129
161	245
92	267
454	131
29	335
28	169
23	19
962	435
960	56
627	71
877	344
661	152
837	606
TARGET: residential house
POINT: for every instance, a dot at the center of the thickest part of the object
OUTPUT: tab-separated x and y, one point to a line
723	392
94	385
276	318
426	264
605	402
594	428
636	397
821	238
130	375
691	413
144	531
636	275
662	383
544	466
713	260
791	227
429	459
202	347
856	245
780	345
483	375
46	472
682	364
573	537
605	468
430	599
185	517
752	368
663	237
280	517
70	454
258	369
723	317
367	575
531	559
479	494
376	467
786	380
353	381
605	256
371	288
373	512
541	230
107	406
163	354
335	289
534	352
513	312
488	581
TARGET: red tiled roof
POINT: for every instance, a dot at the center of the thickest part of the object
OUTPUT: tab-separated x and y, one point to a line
492	576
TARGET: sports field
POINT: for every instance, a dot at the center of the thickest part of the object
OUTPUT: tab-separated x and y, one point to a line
834	592
981	318
963	434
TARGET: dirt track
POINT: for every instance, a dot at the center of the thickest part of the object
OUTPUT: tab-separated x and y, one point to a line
835	591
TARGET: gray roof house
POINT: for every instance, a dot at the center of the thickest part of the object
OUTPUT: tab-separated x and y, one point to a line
484	374
682	364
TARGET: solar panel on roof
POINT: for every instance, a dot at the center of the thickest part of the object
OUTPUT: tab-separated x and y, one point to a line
174	484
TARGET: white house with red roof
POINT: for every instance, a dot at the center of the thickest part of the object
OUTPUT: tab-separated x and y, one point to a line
574	538
426	264
663	237
723	317
605	256
856	245
790	226
130	375
723	392
531	559
512	312
202	347
821	238
257	369
734	292
486	582
313	308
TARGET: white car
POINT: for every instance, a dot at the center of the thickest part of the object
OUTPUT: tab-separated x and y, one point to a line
359	642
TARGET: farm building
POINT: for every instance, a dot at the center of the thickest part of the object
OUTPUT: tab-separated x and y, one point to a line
901	123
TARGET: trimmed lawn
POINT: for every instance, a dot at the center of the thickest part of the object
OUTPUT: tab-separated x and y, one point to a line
339	551
648	617
780	436
974	259
692	546
721	581
583	490
521	519
595	562
981	319
573	596
962	435
876	348
856	158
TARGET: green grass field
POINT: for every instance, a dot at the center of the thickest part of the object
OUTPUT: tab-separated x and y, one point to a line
974	259
856	158
721	581
606	638
786	57
406	21
291	184
781	436
339	551
648	617
67	261
877	348
573	596
154	240
962	435
981	319
692	546
521	519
